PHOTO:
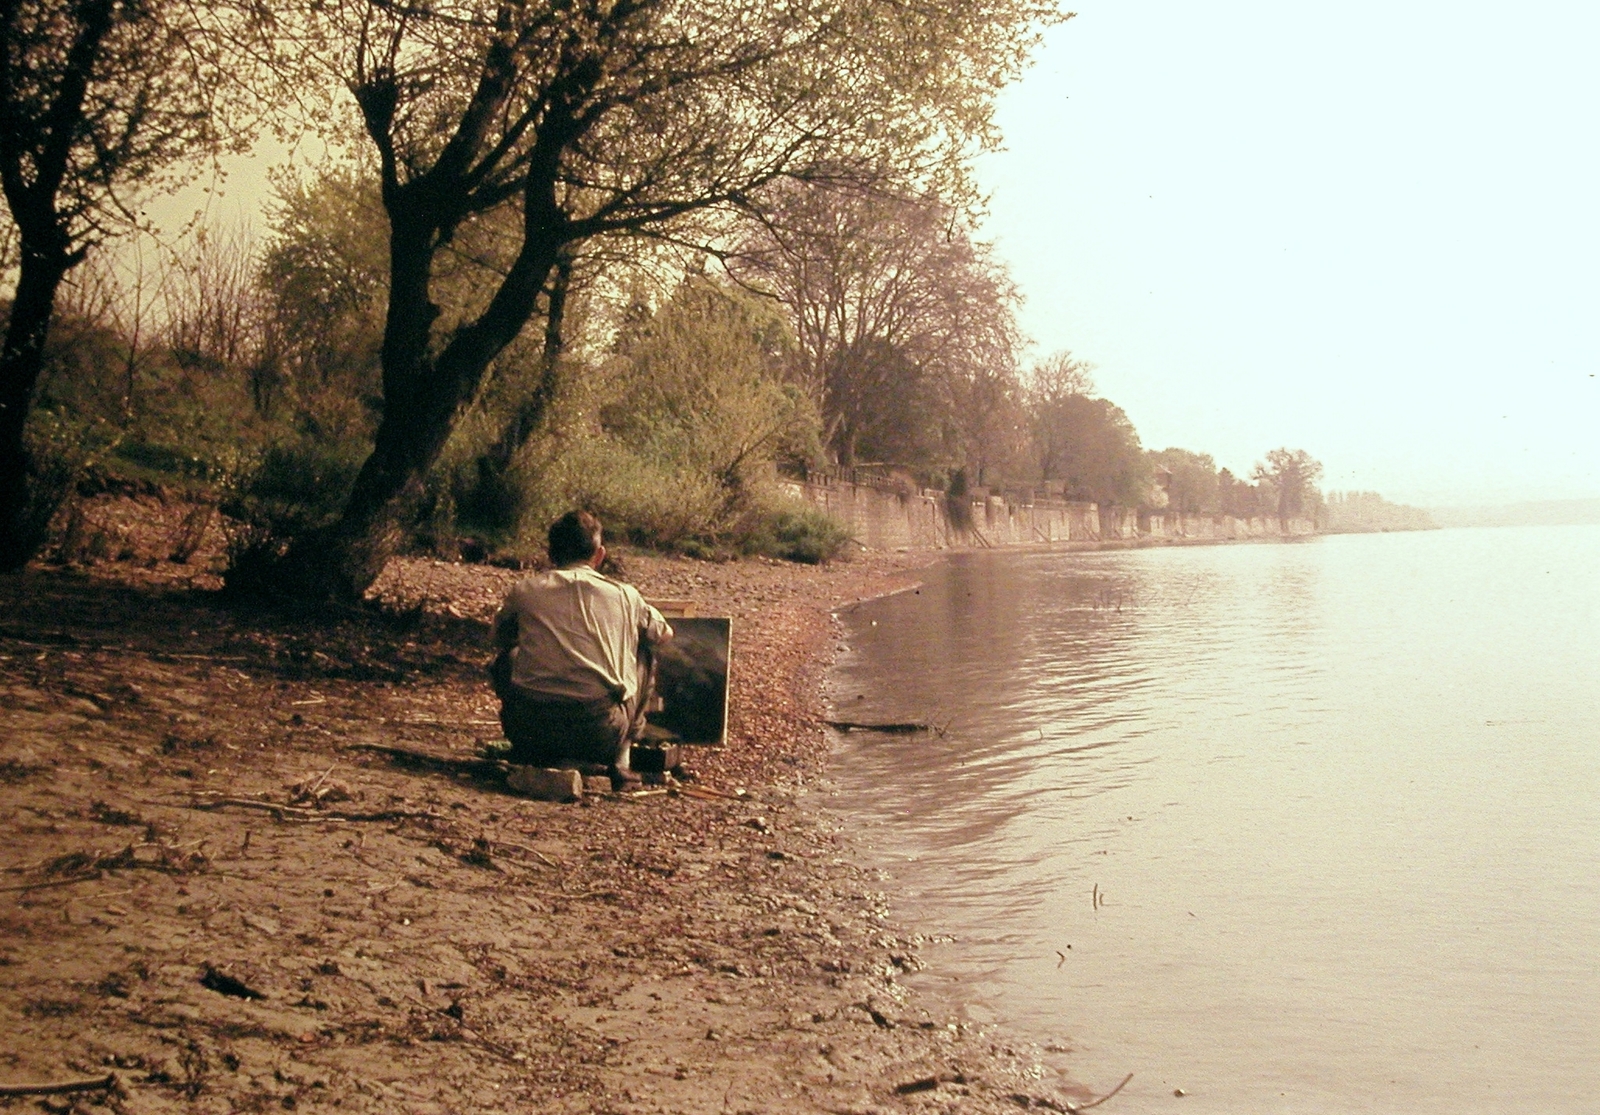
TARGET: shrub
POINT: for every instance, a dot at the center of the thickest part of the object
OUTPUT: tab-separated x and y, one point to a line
795	531
292	489
59	451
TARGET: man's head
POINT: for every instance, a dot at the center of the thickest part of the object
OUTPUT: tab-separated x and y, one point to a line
574	538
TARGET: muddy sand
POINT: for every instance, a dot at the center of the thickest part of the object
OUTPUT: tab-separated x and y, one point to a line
221	889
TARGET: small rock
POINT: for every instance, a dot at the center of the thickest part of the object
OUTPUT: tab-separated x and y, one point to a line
548	783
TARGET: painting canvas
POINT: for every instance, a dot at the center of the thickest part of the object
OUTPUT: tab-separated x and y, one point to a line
692	681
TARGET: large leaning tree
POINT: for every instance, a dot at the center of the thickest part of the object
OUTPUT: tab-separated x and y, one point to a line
101	101
598	118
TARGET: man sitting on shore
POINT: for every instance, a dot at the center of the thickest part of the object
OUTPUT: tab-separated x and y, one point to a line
572	672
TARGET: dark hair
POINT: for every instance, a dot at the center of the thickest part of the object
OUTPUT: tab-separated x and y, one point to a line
574	537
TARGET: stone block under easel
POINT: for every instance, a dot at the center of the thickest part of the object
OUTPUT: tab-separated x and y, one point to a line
546	783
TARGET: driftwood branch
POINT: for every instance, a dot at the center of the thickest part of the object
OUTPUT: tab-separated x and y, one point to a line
99	1082
900	728
705	793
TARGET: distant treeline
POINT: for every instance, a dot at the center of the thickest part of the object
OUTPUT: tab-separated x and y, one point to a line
1368	512
666	391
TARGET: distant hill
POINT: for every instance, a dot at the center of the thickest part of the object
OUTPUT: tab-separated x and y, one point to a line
1538	513
1370	513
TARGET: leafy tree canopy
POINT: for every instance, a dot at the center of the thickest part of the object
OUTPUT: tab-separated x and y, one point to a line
1191	482
1293	475
1090	444
602	117
907	327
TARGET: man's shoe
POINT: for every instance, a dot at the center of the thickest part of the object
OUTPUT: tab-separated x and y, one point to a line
622	778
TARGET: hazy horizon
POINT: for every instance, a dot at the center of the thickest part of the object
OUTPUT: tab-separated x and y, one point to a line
1367	235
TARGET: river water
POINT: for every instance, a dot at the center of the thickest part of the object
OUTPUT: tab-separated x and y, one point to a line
1299	827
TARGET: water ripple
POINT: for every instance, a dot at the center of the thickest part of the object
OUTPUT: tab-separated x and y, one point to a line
1320	820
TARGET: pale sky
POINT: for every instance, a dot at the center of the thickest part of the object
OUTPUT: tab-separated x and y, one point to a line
1367	230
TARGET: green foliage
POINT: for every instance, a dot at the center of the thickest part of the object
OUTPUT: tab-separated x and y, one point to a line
795	531
59	451
1292	475
81	377
639	497
298	485
290	489
1091	446
906	326
700	388
672	439
1191	481
324	277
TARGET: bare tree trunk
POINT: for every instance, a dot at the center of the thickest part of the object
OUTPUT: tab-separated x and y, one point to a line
422	397
21	358
33	165
530	414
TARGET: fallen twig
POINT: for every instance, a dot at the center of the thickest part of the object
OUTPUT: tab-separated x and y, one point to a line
1102	1099
289	812
540	856
580	894
56	1089
706	793
51	883
159	655
77	866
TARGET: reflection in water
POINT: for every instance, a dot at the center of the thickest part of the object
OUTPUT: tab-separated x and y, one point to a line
1342	801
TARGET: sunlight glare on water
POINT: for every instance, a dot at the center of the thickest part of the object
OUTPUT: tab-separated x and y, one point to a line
1320	822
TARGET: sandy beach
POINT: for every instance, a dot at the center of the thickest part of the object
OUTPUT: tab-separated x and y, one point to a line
221	888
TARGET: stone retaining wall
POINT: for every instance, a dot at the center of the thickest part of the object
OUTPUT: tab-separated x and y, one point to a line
887	517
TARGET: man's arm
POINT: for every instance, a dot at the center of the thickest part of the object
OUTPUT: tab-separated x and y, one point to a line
505	641
655	630
505	629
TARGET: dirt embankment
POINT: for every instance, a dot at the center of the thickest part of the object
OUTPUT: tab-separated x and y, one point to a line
216	888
